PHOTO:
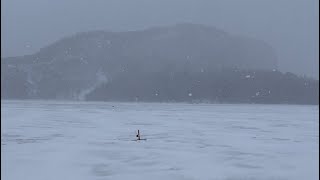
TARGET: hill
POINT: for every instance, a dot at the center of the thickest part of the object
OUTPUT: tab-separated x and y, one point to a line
103	65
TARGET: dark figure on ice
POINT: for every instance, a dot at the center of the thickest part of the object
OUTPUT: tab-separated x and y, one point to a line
138	135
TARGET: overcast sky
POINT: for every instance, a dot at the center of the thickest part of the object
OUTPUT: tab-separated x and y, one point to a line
290	26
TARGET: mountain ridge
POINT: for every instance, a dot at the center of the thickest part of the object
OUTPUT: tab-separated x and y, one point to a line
75	66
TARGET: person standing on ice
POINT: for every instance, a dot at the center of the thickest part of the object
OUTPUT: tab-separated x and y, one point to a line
138	135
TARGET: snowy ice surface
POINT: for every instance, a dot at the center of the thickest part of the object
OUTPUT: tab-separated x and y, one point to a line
55	140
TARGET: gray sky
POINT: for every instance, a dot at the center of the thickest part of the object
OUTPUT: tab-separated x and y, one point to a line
290	26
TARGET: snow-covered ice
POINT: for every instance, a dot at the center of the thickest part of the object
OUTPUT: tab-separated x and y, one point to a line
55	140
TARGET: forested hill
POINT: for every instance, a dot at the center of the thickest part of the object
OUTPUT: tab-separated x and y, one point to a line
222	86
184	62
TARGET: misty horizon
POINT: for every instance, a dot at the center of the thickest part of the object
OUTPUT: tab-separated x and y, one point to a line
290	27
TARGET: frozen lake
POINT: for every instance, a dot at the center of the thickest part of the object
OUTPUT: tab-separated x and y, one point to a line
54	140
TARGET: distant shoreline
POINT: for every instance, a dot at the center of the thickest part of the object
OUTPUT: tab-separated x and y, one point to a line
146	102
